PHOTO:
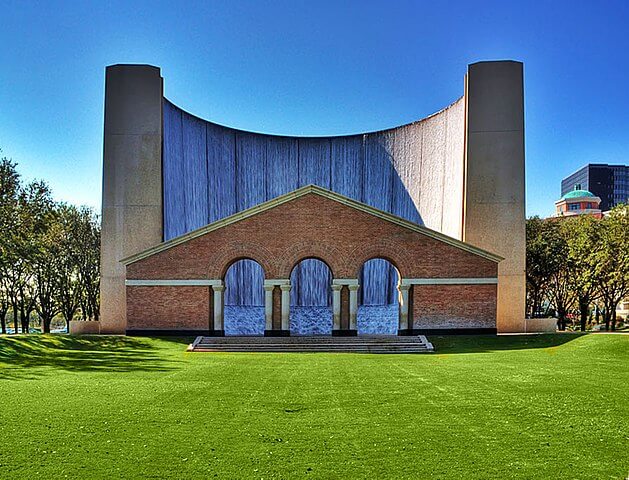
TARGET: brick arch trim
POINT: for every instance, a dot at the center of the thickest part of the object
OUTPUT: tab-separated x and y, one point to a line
232	252
387	250
325	252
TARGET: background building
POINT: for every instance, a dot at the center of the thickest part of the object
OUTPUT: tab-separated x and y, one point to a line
609	182
578	202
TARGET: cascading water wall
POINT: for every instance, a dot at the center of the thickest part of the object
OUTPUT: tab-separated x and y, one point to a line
211	172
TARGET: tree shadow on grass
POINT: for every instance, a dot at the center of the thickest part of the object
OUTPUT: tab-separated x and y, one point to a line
493	343
26	356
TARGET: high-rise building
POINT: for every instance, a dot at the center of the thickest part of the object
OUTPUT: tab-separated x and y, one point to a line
609	182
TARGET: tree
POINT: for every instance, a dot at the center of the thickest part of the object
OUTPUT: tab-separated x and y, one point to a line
9	192
78	277
560	293
538	263
34	213
4	308
49	254
612	262
87	237
582	236
46	268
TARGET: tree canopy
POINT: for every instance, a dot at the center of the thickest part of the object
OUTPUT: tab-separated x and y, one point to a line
49	255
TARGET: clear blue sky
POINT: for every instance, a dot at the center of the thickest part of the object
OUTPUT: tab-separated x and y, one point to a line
311	68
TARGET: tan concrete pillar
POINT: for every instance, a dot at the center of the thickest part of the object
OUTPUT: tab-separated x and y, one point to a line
494	215
132	180
342	306
219	310
336	307
403	328
285	307
268	307
353	306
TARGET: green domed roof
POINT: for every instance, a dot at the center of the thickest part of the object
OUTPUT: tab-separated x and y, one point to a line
578	194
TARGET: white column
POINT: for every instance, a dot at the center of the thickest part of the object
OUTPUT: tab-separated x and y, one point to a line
403	289
353	306
268	306
285	307
218	306
336	306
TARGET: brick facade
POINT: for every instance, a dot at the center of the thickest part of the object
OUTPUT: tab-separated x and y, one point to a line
454	306
171	308
311	225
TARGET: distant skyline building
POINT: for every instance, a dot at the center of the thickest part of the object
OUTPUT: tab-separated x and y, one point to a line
578	202
609	182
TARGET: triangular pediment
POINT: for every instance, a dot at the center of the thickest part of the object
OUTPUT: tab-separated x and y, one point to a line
300	192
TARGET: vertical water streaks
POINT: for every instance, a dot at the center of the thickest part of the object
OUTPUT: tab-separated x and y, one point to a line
282	166
413	169
221	167
347	166
311	313
377	192
242	290
406	160
250	191
173	181
315	167
452	193
195	173
431	178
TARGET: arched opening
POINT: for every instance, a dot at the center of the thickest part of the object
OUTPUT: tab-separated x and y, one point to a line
378	310
311	298
244	298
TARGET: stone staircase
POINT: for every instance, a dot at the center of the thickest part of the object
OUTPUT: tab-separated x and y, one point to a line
359	344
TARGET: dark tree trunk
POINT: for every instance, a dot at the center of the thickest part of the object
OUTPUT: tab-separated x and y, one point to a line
15	330
584	310
614	319
561	315
3	322
23	319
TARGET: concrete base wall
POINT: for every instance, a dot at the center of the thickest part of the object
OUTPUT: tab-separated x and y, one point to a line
541	325
84	328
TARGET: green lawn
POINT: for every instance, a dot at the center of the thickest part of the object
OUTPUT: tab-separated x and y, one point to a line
551	406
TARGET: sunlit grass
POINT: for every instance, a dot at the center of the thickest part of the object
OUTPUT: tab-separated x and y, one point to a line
552	406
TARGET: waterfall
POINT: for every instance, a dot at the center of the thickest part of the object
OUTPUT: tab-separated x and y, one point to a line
211	172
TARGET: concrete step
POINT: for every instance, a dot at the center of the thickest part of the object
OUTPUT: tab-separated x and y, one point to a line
361	344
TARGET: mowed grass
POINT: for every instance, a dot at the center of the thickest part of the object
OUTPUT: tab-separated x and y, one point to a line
548	406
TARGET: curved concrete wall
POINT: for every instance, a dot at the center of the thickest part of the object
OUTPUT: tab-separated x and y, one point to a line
414	171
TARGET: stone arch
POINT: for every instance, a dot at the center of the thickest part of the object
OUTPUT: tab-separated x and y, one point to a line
328	254
378	296
243	311
233	252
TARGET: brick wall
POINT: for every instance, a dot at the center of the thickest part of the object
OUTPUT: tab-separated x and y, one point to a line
454	306
179	308
312	226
